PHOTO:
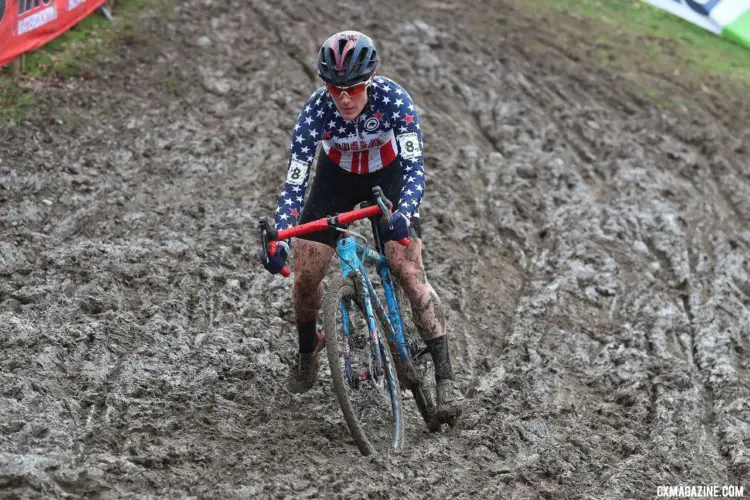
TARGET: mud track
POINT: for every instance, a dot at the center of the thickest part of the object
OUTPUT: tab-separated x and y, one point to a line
592	250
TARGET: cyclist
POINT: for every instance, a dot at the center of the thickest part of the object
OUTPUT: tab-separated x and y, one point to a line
370	135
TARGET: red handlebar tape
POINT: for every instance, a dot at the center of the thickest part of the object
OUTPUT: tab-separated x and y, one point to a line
320	224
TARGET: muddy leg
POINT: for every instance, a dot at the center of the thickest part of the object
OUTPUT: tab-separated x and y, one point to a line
429	318
311	260
407	267
427	310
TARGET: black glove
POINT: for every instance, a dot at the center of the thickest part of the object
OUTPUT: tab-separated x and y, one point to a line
275	259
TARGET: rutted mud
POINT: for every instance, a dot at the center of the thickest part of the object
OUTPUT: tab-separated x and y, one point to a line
591	253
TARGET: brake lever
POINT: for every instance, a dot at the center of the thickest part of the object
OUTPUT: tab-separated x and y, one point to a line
385	207
383	202
263	230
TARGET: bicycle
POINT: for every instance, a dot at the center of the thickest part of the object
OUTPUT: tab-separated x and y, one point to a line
402	364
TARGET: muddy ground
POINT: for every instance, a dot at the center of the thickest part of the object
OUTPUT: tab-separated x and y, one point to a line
591	249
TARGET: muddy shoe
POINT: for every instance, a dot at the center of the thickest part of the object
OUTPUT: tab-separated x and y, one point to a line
304	373
449	402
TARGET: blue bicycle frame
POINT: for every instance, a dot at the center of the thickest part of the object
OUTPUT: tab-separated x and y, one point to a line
349	251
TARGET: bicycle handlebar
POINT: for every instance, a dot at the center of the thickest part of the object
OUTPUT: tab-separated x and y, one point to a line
269	235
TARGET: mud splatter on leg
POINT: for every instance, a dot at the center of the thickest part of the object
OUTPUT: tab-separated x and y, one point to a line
311	260
427	309
429	317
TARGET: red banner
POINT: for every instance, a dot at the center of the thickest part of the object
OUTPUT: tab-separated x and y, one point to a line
28	24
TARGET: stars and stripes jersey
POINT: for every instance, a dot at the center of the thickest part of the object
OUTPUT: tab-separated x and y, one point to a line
387	129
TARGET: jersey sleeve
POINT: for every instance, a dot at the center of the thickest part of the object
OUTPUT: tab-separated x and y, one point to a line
408	134
305	137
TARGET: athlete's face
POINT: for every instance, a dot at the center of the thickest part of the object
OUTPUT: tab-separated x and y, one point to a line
350	106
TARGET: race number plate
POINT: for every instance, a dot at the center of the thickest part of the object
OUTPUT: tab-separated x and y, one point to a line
297	173
409	146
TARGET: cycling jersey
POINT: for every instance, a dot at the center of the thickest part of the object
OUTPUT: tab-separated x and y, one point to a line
387	128
333	190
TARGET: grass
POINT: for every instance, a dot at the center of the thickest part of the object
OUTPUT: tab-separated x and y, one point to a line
94	35
67	55
14	102
63	55
634	28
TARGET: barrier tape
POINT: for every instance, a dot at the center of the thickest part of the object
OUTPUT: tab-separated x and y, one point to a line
28	24
728	18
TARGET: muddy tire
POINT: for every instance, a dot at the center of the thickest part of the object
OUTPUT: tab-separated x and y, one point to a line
344	290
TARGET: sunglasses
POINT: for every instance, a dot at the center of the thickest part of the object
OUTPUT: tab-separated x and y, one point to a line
351	90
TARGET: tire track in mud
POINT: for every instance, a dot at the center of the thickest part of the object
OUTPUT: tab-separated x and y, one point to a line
659	253
596	282
716	348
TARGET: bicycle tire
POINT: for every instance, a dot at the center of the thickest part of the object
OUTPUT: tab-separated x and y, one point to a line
344	289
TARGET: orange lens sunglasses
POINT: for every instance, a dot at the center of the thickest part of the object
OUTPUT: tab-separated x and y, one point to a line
351	91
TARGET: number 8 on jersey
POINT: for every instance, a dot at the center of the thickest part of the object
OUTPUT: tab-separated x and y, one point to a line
297	173
409	146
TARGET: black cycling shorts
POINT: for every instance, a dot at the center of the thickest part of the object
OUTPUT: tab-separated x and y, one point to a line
334	191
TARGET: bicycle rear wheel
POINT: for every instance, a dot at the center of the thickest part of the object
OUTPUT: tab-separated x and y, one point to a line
370	398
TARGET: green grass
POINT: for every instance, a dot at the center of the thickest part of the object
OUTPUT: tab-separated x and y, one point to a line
63	55
173	87
67	55
662	100
14	102
638	28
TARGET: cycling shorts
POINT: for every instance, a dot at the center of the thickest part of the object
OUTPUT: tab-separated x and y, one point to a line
334	190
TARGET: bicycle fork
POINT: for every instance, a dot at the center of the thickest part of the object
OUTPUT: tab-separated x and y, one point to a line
374	371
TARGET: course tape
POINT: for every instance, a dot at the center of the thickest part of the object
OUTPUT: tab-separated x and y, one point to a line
28	24
729	18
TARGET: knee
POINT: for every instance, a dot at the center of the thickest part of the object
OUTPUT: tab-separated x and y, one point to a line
412	278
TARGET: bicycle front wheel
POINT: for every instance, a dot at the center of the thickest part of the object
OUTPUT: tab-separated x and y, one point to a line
364	375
